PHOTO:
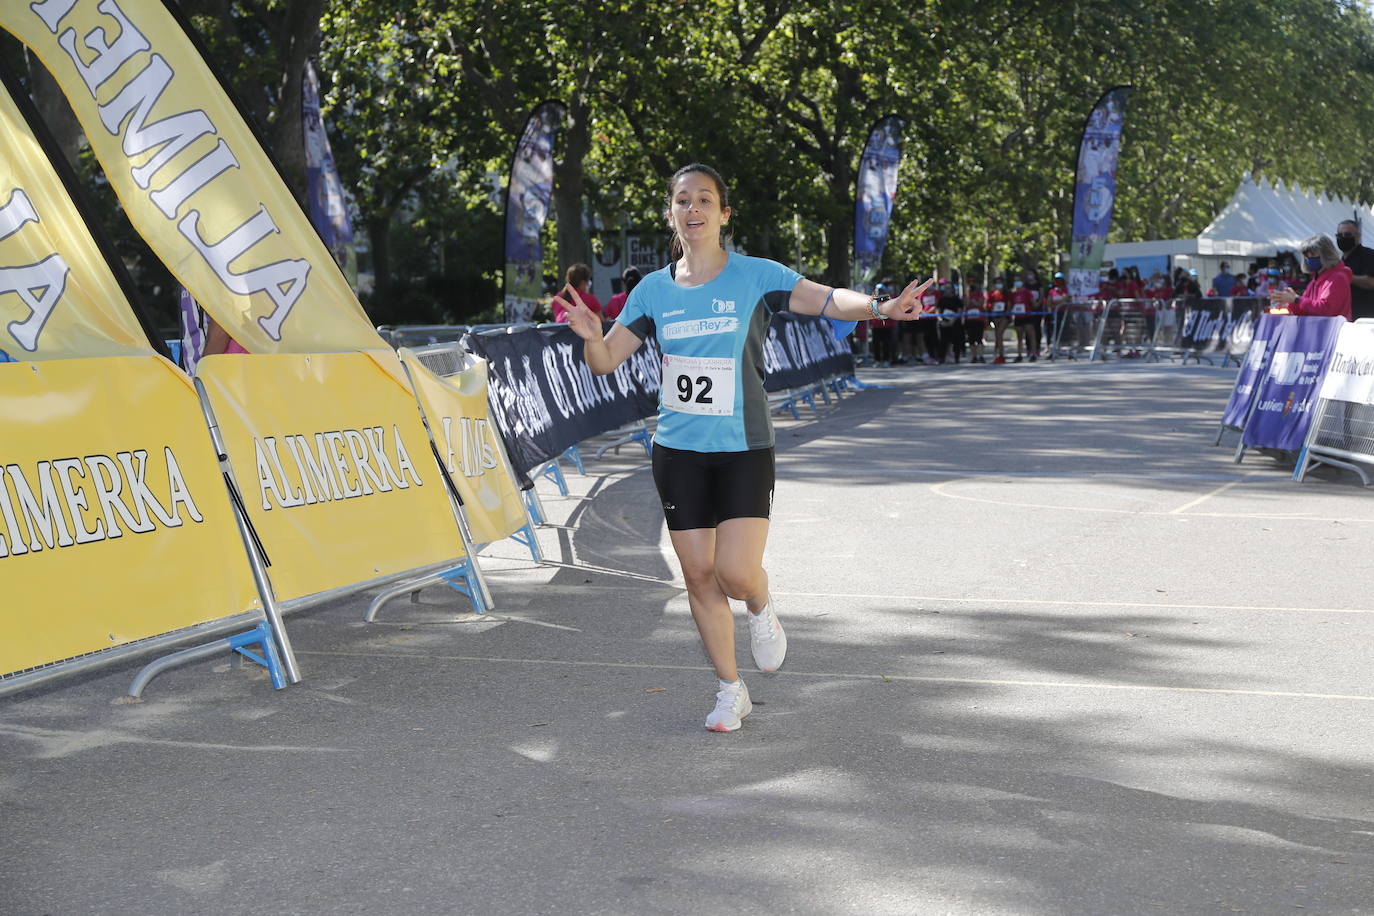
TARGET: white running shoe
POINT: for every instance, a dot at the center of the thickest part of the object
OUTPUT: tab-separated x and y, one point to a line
766	638
732	705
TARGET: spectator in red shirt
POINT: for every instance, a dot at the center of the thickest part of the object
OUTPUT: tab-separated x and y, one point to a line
578	277
997	314
1328	290
1129	286
629	279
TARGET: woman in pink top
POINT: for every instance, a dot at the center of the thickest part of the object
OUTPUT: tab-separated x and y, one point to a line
1328	292
630	279
578	277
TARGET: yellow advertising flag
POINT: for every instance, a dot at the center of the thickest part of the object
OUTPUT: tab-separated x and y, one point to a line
192	177
334	466
58	296
460	421
115	524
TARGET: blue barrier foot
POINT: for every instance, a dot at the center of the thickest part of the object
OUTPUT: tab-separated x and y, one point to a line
525	538
573	455
261	636
554	472
460	580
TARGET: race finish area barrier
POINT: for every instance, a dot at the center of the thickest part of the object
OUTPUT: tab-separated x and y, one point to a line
456	414
336	470
1342	430
1215	327
545	400
117	534
1254	367
1287	390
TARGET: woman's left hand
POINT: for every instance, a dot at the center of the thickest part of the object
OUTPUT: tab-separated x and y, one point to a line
1282	296
907	306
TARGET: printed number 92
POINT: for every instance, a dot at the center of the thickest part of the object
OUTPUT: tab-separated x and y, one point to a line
685	386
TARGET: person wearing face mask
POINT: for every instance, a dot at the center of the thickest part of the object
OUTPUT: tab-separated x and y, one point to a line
1224	284
1328	289
1360	260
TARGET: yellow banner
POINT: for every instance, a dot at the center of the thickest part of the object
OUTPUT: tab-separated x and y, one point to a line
457	411
58	297
334	466
194	181
114	522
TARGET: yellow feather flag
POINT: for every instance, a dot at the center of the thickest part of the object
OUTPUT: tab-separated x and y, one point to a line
59	298
195	182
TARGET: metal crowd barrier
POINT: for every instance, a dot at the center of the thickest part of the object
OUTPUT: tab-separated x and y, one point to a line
1342	435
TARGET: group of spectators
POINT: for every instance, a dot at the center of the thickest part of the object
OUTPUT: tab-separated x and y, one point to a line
956	322
1336	279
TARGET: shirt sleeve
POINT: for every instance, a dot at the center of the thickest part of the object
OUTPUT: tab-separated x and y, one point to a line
778	281
635	316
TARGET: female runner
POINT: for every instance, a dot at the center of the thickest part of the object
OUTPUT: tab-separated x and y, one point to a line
713	450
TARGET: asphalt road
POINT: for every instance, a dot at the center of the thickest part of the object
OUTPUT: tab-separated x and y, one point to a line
1051	652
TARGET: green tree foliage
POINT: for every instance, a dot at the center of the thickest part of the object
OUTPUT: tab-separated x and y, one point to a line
425	101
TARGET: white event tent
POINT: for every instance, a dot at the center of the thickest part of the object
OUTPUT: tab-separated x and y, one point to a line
1261	220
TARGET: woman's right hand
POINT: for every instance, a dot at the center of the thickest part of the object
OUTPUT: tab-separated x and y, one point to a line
584	322
1282	296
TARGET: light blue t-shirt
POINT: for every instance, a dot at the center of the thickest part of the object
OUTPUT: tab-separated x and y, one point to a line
711	336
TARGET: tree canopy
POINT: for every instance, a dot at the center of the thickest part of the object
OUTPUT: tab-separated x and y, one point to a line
424	101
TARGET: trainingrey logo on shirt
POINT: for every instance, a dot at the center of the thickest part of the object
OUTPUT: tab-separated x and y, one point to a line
723	306
699	328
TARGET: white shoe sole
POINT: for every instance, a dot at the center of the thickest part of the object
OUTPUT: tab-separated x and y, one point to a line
722	727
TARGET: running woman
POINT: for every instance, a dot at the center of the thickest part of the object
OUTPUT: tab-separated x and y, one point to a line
713	450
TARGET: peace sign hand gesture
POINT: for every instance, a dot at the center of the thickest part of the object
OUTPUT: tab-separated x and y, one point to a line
907	306
582	320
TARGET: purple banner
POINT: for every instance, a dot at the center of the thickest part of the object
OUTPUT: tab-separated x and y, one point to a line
875	191
1094	191
527	208
1301	348
1255	366
326	204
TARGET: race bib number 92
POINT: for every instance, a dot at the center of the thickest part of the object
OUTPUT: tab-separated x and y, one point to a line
700	385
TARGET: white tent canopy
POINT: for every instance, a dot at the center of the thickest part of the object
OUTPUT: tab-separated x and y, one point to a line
1261	219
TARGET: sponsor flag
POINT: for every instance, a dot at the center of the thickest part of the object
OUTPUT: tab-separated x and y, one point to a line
193	179
875	191
62	295
324	190
1094	190
527	209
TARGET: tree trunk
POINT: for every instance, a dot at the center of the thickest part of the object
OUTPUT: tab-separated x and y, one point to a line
569	185
942	256
300	37
379	237
839	226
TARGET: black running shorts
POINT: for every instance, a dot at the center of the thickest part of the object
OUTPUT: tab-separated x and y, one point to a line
702	489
